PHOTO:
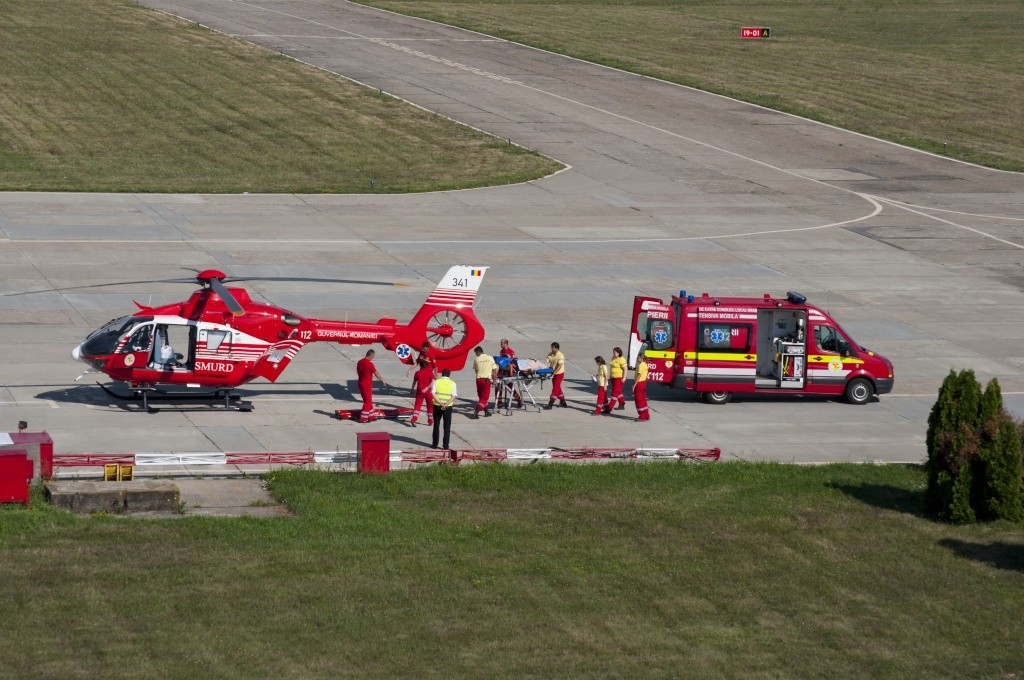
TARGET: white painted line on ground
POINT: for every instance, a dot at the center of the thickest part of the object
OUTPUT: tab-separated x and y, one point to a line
354	37
979	232
510	81
936	394
954	212
488	243
685	87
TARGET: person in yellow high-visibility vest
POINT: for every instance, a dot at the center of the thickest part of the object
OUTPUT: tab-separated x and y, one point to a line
445	394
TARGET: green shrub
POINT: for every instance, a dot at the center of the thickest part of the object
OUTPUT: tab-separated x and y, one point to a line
974	454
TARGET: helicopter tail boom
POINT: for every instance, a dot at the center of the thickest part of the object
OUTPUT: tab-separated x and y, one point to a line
445	320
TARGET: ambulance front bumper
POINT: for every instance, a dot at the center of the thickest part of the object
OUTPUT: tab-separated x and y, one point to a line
884	385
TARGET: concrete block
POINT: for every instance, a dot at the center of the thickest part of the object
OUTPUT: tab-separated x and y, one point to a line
85	496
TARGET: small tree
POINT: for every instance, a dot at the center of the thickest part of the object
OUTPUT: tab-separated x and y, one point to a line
974	453
952	447
1000	482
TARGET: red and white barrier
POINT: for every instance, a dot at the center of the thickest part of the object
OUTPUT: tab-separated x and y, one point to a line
265	458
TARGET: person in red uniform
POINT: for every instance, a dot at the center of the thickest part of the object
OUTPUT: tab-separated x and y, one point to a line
421	381
640	389
512	368
426	354
366	372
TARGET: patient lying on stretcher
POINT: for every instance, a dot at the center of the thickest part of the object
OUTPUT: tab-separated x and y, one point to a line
522	367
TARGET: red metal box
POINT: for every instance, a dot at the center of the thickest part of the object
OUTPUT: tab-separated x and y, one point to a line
15	476
39	447
373	450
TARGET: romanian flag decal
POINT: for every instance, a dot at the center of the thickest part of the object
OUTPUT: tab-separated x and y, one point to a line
476	272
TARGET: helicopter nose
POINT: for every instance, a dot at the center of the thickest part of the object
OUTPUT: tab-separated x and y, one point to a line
76	353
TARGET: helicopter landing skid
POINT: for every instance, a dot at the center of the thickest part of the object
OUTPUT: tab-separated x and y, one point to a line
232	400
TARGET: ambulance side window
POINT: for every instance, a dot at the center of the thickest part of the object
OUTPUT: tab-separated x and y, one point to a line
724	337
641	325
828	339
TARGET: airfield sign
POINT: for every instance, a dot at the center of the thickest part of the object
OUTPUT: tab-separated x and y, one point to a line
755	33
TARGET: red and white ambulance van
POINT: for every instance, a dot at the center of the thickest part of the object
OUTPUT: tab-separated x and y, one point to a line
717	346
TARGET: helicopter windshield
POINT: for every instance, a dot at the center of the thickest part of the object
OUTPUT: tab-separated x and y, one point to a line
104	340
118	325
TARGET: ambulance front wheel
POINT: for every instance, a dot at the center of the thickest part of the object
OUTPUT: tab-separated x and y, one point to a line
717	397
859	391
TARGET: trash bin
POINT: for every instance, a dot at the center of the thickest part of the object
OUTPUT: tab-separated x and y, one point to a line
373	450
15	476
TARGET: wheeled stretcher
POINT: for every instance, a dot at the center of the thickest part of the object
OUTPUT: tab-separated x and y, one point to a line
516	379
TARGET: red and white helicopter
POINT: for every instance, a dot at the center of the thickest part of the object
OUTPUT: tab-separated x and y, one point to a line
220	338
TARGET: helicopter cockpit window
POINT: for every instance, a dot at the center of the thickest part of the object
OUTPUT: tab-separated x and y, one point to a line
140	341
104	340
114	327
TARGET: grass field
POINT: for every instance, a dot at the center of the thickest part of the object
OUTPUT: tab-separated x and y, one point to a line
103	95
942	75
647	571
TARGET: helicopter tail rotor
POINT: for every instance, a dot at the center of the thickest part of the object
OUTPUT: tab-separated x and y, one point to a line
446	320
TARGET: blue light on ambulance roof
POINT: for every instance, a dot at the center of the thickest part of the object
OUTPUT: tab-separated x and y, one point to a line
795	298
682	295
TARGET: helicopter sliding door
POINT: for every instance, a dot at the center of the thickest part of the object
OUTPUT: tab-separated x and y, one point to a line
215	353
173	348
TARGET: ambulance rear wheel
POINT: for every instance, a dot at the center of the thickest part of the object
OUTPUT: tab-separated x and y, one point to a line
859	391
718	397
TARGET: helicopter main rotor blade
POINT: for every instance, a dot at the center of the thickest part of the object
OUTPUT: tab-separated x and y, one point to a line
314	279
227	297
95	285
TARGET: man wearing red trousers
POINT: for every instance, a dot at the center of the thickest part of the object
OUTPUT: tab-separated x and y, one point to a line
486	371
366	372
421	381
640	389
556	360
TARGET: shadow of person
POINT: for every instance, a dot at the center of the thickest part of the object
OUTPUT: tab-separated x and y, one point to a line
884	496
346	392
416	442
999	554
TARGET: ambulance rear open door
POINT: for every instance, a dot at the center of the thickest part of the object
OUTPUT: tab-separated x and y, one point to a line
639	330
